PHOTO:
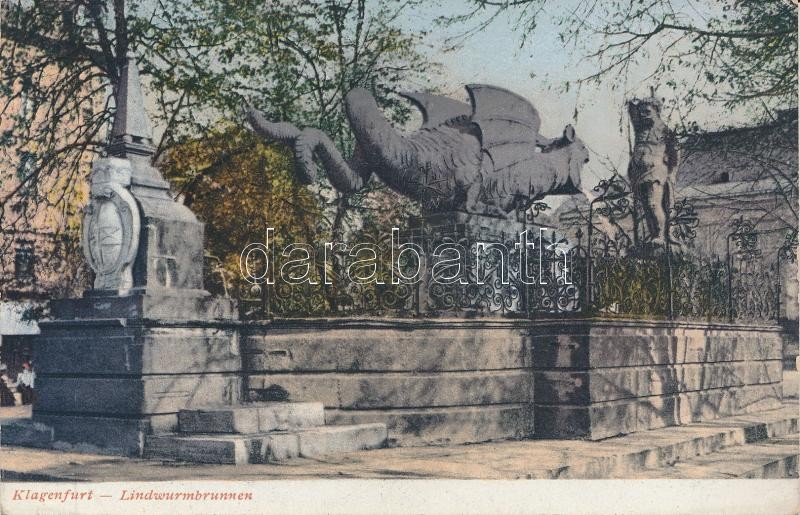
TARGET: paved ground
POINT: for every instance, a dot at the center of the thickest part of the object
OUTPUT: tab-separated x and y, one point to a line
528	459
493	460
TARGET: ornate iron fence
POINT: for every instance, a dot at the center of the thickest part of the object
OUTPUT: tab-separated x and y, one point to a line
483	266
627	276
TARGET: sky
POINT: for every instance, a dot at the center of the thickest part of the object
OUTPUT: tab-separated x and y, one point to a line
493	56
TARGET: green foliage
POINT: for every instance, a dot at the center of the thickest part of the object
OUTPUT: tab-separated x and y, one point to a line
239	187
202	61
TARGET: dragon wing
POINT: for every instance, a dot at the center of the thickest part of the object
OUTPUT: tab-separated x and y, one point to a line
437	109
509	125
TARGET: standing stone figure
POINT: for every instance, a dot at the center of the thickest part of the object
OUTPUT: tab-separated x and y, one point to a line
486	157
652	168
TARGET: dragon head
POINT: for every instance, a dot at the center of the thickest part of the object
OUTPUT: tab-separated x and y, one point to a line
577	156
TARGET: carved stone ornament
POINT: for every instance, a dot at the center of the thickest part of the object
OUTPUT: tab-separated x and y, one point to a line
111	225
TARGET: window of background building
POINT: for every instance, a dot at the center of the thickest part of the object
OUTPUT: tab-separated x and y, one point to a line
24	261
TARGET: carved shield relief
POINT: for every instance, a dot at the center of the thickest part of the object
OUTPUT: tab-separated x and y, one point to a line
111	226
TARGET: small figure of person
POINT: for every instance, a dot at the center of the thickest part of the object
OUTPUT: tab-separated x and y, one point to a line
6	397
25	383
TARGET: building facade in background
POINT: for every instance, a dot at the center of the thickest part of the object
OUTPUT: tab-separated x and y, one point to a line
40	254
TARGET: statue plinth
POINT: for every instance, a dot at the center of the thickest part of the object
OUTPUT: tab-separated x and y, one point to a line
478	224
136	237
489	279
146	251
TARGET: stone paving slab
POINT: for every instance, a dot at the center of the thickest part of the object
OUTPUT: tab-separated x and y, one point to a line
771	459
12	412
626	456
446	425
401	389
394	348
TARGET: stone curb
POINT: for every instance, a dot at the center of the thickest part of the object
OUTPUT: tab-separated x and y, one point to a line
625	465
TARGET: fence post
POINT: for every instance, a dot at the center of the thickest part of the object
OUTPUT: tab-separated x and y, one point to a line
729	263
587	295
777	315
669	278
265	301
422	240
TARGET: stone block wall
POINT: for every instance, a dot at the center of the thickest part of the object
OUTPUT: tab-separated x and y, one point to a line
454	381
600	378
430	381
107	382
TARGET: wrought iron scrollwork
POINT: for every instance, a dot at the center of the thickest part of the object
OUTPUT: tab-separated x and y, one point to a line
604	271
753	282
745	237
614	197
683	221
534	210
788	249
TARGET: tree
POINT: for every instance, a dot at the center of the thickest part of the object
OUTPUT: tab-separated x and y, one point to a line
240	186
203	60
742	53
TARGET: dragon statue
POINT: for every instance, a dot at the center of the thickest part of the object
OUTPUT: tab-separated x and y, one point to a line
486	157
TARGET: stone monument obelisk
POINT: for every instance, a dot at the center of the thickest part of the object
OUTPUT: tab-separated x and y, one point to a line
147	340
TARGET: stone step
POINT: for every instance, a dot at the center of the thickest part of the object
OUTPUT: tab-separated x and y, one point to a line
252	418
26	432
775	458
446	425
241	449
660	448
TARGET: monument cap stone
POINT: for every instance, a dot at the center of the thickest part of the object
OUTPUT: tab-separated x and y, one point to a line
131	129
132	132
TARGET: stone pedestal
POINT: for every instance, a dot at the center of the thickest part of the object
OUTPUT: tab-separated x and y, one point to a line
147	340
112	370
596	379
431	381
